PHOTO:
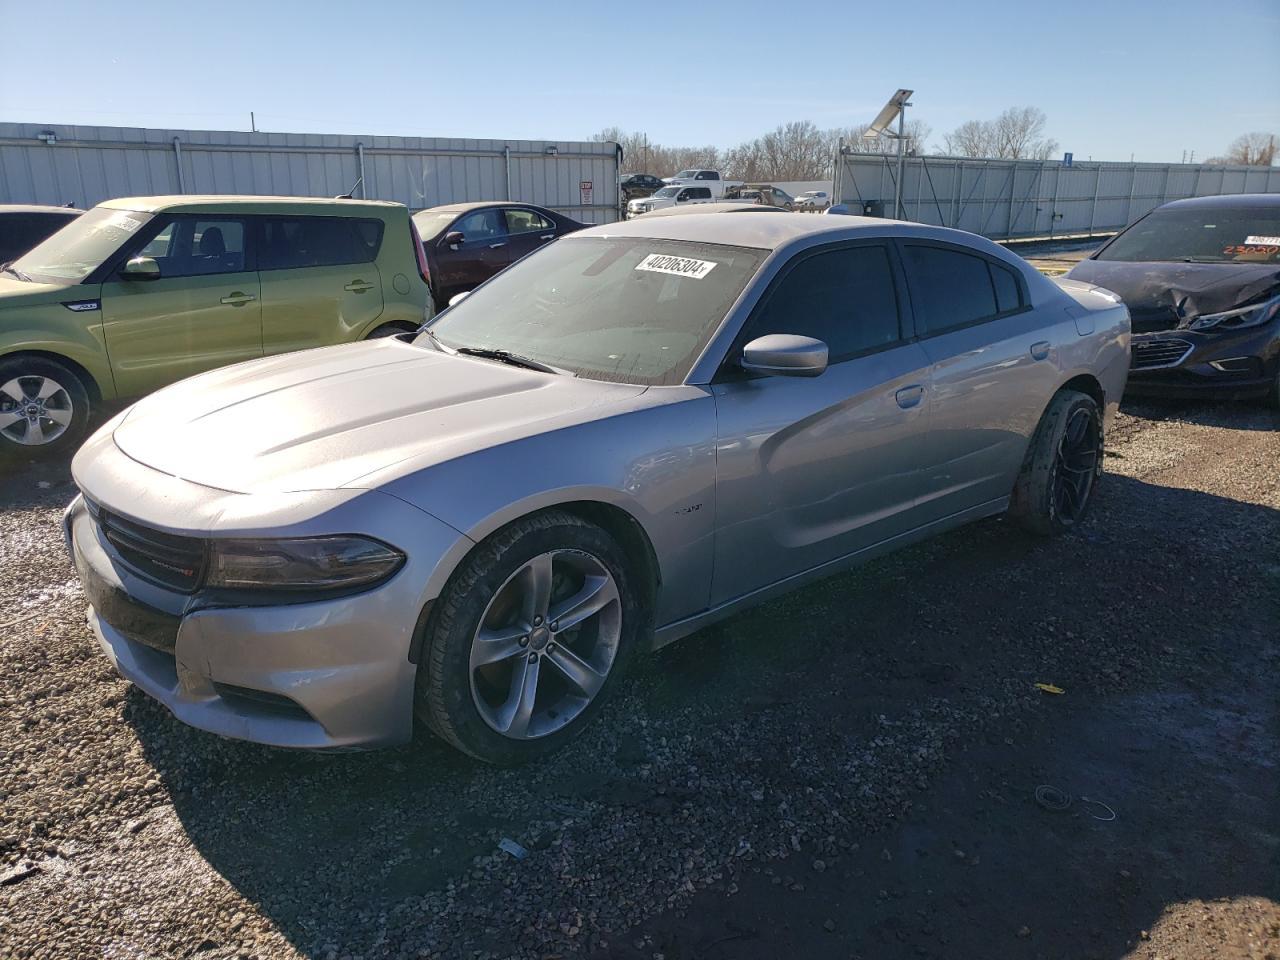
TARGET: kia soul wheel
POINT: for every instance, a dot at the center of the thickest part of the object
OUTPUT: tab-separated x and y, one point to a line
44	407
528	638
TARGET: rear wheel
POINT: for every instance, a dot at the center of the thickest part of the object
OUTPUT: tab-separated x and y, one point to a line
528	638
44	407
390	330
1059	474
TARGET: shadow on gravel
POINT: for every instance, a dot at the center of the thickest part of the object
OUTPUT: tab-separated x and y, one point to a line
1161	640
1231	414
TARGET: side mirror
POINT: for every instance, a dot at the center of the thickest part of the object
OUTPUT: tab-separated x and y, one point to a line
141	268
785	355
454	238
457	298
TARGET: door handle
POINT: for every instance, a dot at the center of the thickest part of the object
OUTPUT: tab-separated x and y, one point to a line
495	246
908	397
238	299
1040	350
358	286
547	236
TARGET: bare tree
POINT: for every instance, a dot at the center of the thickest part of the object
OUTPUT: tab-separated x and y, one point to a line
640	155
1017	134
1252	150
793	151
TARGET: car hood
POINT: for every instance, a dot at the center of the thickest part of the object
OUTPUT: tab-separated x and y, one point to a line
1163	296
24	293
323	419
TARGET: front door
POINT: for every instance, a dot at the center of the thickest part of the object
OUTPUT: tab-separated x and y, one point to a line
202	312
320	285
993	369
814	469
482	252
527	230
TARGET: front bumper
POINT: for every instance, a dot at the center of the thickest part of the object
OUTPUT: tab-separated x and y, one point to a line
333	674
1189	363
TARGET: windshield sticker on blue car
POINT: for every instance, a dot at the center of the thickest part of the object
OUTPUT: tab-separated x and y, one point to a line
676	266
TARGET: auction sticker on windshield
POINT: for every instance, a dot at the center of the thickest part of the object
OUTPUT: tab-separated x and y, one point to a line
1264	241
676	266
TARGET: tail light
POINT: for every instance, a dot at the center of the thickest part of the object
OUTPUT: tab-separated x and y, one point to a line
423	270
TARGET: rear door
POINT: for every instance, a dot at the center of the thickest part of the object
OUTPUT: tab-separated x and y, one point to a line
992	370
527	230
320	285
203	312
812	469
483	251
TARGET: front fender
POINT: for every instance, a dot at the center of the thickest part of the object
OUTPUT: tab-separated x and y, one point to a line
53	329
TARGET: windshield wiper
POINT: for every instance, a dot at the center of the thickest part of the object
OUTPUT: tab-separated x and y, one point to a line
506	356
9	268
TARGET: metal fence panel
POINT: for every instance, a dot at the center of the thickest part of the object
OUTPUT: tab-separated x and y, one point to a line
84	165
1005	199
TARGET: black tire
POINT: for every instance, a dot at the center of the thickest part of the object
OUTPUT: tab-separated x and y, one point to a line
390	330
444	698
71	400
1059	475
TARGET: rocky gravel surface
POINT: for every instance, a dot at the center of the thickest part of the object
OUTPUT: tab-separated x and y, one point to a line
752	775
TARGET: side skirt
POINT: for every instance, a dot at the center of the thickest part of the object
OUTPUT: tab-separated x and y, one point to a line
669	633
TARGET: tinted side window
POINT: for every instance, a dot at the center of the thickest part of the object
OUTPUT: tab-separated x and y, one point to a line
845	298
699	193
20	232
526	221
948	288
196	246
295	242
1008	293
482	225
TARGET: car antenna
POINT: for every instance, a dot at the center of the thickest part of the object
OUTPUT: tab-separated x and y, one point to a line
349	195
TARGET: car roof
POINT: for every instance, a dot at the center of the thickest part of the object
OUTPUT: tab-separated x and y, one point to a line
38	208
697	209
246	204
1228	201
477	205
758	229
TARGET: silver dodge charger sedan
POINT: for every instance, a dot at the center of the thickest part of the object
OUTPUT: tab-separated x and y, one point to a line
627	435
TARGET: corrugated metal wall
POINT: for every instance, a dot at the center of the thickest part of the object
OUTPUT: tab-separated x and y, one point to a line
85	165
1027	198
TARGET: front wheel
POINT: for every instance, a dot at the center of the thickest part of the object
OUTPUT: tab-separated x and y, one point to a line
393	329
1060	472
528	638
44	407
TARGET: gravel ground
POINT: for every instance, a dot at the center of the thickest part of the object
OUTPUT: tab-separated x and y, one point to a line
844	772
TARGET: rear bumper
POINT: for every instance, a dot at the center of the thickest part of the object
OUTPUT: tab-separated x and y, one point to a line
1242	363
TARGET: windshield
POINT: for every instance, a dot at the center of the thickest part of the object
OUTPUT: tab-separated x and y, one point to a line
685	175
630	310
430	223
1201	235
668	191
81	246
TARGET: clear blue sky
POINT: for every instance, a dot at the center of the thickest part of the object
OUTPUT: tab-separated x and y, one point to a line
1116	78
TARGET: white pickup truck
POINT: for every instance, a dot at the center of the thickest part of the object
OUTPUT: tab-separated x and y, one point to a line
673	195
710	179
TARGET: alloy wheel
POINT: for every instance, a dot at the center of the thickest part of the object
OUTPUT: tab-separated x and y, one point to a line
545	645
34	410
1076	465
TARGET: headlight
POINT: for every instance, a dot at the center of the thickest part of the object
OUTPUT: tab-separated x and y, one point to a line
303	563
1252	316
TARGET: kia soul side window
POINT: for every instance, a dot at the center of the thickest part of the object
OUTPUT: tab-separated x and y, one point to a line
845	298
296	242
194	247
949	289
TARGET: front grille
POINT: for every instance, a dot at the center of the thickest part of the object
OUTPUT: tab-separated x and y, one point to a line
1152	319
166	558
1154	354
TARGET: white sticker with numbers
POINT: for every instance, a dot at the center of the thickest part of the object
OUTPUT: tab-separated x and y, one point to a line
1264	241
676	266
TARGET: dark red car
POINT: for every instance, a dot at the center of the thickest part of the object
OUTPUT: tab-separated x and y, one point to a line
467	243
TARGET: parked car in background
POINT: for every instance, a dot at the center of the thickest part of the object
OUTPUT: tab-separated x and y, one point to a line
813	200
467	243
1201	278
22	226
710	179
762	193
142	291
626	436
636	185
717	206
672	196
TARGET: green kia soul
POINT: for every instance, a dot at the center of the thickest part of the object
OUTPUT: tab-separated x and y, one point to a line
140	292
